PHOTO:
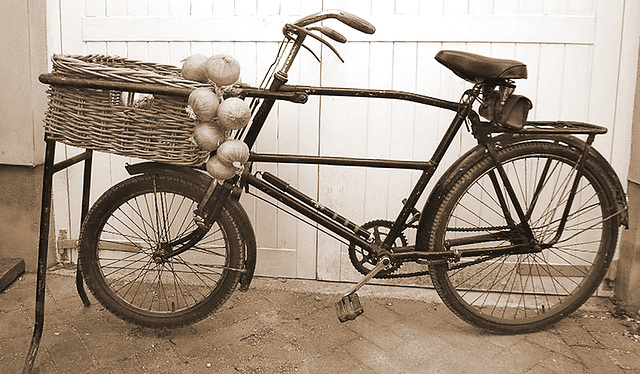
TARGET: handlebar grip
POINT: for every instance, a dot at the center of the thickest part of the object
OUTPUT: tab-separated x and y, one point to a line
347	18
356	22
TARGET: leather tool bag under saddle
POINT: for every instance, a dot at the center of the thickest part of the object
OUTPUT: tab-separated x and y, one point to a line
500	106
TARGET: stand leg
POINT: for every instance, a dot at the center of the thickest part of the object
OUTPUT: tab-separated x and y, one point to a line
43	247
86	188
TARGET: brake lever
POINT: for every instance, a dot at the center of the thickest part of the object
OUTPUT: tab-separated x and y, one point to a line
312	52
329	32
307	32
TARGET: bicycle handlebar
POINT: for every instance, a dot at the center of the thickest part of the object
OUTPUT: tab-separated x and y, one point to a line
345	17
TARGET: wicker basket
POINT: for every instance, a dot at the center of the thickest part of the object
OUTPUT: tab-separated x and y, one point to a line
153	127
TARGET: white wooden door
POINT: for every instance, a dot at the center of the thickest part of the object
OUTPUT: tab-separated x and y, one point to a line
581	56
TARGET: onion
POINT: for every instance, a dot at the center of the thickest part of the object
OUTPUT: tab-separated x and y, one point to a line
222	70
194	68
204	103
220	170
234	113
233	152
209	135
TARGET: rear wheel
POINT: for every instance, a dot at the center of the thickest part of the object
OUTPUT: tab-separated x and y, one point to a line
121	242
524	292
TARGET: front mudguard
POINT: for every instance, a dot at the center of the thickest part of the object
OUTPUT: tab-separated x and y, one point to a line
234	206
474	155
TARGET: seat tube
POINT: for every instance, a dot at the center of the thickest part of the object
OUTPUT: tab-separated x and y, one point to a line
467	101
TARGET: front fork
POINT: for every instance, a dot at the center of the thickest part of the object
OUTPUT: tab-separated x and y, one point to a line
207	213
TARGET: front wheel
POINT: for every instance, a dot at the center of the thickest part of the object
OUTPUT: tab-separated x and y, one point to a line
528	290
121	243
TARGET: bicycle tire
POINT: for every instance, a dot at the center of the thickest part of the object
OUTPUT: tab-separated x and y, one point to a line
521	293
116	246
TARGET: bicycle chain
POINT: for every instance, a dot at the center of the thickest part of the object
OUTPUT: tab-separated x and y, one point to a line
394	275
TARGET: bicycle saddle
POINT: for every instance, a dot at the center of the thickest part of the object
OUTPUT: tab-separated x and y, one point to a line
473	68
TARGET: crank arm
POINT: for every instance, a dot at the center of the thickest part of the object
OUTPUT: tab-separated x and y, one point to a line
380	266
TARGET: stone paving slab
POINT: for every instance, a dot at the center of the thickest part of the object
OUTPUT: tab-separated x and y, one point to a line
290	326
10	269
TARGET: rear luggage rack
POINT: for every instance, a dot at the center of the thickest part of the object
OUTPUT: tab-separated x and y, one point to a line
550	127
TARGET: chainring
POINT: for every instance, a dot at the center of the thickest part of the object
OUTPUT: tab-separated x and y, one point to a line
363	260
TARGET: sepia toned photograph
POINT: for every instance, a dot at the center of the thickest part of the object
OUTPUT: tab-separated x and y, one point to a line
320	186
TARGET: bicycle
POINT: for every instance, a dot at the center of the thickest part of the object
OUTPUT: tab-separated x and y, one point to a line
517	233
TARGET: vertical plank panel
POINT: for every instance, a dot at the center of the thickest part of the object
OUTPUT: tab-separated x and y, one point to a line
550	74
268	7
203	48
245	8
606	51
94	8
340	128
431	6
427	131
505	7
481	7
178	51
137	8
179	7
382	7
577	66
71	13
430	121
581	7
530	55
117	49
201	8
407	6
266	228
451	88
353	200
307	7
138	51
402	123
530	6
554	7
223	7
159	52
455	7
379	130
265	217
116	7
158	7
308	143
291	8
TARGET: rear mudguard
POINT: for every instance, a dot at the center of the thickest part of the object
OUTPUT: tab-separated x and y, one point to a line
236	210
505	140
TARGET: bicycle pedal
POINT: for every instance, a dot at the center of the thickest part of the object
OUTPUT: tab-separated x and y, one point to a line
349	308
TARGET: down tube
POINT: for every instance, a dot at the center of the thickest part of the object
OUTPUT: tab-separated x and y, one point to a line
306	211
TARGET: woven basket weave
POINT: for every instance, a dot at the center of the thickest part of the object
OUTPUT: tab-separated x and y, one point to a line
153	127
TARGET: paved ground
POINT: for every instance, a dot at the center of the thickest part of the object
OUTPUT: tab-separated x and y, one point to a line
291	327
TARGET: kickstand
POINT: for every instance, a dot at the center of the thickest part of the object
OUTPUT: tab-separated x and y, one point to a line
349	307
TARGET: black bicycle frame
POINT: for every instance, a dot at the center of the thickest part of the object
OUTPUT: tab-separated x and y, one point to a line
283	192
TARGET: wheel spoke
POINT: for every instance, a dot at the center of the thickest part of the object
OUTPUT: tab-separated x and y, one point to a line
523	292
